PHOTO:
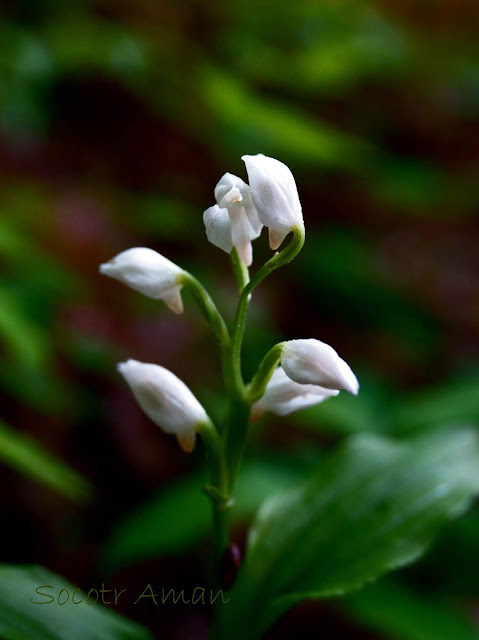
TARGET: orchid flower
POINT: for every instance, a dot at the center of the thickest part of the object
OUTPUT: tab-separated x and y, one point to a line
283	396
148	272
166	400
314	362
275	196
233	221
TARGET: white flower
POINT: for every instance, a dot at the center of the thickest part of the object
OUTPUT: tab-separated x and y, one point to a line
150	273
166	400
314	362
233	222
275	196
218	227
283	396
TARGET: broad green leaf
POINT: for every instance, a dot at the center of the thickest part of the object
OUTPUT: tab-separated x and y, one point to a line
60	619
403	614
374	506
24	455
178	518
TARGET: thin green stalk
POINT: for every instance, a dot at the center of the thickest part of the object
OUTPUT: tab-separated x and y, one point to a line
207	308
278	260
258	384
240	270
218	492
217	324
225	450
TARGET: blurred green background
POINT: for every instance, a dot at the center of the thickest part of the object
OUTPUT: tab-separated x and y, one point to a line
117	118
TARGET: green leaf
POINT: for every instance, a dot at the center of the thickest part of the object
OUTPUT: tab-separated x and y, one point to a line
24	340
374	506
403	614
453	564
20	618
274	127
448	403
344	414
23	454
178	518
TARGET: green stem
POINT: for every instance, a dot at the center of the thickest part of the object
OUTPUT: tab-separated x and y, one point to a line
237	429
218	492
217	324
225	450
258	384
240	270
207	308
278	260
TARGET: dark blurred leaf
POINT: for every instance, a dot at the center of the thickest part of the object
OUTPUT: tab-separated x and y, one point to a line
339	46
404	614
453	564
450	402
345	414
261	125
162	217
178	518
38	389
20	618
26	342
24	455
116	50
420	189
373	507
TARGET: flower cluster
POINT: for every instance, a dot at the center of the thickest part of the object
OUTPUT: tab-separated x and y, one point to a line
309	371
241	210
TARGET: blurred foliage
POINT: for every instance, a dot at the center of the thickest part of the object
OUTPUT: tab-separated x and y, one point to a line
398	612
371	507
22	454
116	121
75	617
178	518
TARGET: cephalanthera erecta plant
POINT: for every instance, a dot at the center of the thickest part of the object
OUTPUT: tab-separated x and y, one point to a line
293	374
371	507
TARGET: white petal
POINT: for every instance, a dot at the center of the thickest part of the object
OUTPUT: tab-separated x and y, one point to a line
223	188
145	270
274	193
218	227
252	216
233	193
240	231
283	396
314	362
165	399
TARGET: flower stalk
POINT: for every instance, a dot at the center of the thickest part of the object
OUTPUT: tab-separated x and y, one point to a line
310	370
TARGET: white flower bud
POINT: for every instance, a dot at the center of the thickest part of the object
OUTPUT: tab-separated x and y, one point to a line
275	196
148	272
166	400
218	227
234	196
314	362
283	396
